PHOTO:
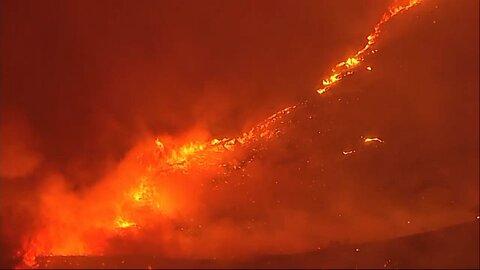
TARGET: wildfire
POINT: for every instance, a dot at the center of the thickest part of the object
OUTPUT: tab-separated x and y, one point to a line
141	186
348	66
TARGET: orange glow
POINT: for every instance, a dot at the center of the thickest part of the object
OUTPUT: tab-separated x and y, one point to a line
160	134
367	140
144	189
351	62
159	144
122	223
148	174
347	67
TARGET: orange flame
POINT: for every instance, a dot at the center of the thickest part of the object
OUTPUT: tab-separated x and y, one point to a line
373	140
348	66
123	223
120	212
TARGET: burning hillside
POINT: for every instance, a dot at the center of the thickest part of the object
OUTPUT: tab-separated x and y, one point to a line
386	153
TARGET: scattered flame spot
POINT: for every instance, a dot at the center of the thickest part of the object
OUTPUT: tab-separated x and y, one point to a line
159	144
367	140
123	223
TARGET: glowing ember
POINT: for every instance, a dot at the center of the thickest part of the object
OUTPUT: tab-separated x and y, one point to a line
367	140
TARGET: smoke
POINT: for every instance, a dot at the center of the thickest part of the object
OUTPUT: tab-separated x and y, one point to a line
95	91
18	156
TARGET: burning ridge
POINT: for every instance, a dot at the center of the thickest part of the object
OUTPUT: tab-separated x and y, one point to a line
136	188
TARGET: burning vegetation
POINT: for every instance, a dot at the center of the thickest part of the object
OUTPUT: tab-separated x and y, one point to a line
300	180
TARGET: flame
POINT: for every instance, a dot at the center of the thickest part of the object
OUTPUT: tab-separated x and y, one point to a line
123	223
110	214
138	188
143	193
367	140
347	67
348	152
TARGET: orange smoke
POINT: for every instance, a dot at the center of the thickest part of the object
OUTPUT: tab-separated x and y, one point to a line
156	183
160	182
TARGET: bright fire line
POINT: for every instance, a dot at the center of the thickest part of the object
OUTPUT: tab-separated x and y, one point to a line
348	66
